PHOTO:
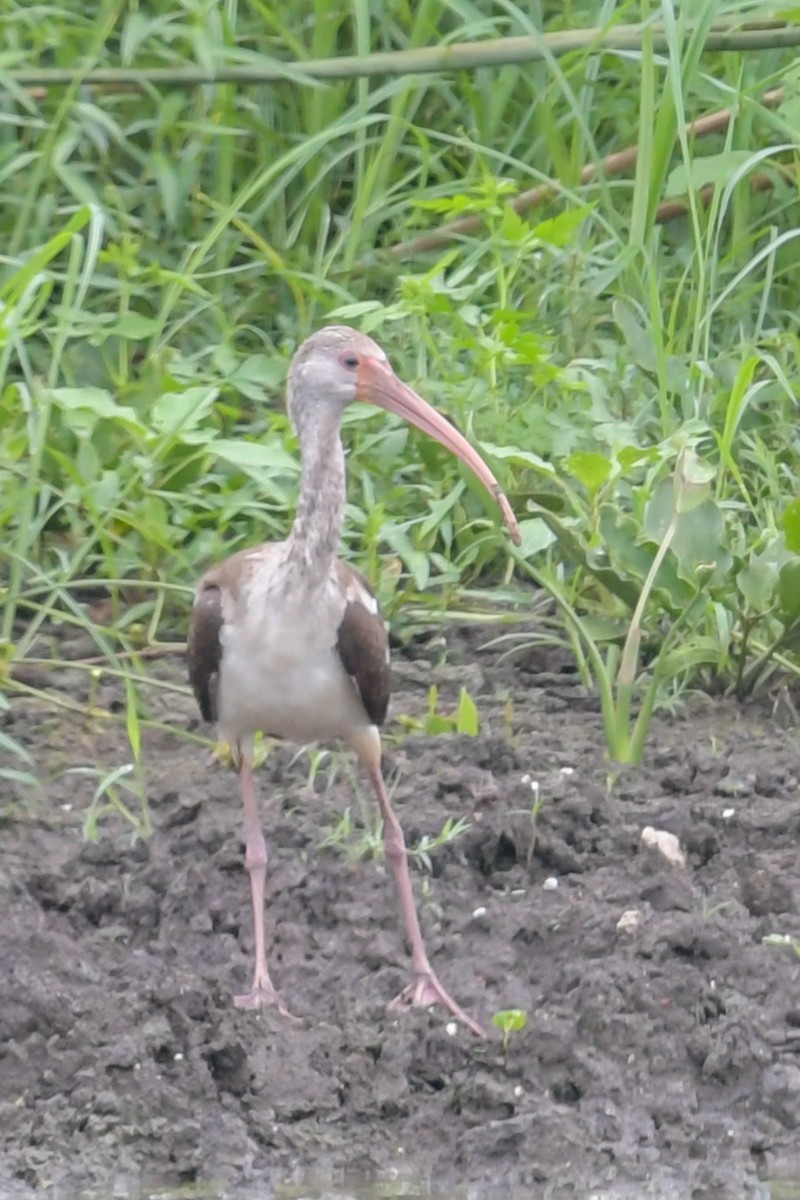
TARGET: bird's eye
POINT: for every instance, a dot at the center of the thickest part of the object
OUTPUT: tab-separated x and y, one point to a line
349	359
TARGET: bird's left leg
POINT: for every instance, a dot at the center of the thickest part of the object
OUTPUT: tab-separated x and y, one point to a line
424	989
262	992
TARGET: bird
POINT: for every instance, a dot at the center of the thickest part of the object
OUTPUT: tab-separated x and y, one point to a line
288	640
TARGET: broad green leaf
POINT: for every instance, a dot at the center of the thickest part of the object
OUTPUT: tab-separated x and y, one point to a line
133	326
693	478
416	563
520	458
436	724
790	524
620	538
513	227
467	720
700	544
709	168
83	407
593	470
624	540
174	411
757	585
254	456
789	591
631	456
561	230
258	376
536	536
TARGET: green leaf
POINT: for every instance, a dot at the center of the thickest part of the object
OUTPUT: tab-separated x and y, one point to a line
758	579
561	230
693	478
258	376
790	524
536	536
619	535
510	1020
631	456
789	591
133	326
513	227
520	458
435	724
83	407
254	457
467	720
593	470
416	563
637	336
182	411
709	168
700	543
757	585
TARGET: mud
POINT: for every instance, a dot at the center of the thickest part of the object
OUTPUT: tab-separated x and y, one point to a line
661	1054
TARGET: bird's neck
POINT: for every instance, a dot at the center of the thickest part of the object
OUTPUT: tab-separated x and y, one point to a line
317	527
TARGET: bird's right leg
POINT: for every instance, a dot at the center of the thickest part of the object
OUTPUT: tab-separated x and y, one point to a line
425	988
262	993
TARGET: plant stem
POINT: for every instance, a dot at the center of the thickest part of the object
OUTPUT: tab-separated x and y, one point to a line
763	35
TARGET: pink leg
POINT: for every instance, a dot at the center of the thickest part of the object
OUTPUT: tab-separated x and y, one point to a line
424	989
262	993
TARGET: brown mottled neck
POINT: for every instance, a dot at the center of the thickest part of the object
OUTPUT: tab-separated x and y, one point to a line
317	528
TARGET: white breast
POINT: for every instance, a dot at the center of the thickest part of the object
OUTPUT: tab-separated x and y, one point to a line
281	673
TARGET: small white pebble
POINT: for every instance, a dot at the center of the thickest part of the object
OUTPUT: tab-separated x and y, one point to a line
666	843
525	778
519	1090
567	770
631	919
451	1028
550	884
480	911
178	1057
727	813
66	808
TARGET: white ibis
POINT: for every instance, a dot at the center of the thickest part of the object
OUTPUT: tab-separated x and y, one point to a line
288	640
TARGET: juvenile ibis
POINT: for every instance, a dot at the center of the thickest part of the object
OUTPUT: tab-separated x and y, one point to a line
288	640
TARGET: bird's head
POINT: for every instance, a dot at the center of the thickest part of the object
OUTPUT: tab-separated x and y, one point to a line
338	365
330	368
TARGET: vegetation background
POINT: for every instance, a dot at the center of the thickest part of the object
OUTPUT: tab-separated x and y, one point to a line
624	350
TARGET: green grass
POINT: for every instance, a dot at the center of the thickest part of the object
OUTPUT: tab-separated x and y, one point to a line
164	251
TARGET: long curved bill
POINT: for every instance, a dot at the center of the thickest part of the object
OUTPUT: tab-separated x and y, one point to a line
378	384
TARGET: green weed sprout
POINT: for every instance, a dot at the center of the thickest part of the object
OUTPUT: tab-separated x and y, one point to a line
508	1021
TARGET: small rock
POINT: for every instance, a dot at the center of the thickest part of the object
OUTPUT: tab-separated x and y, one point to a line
734	786
666	843
630	920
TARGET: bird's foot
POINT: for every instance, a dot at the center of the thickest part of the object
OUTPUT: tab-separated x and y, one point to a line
262	995
424	991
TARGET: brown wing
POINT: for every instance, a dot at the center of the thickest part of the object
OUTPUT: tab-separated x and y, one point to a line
363	643
204	651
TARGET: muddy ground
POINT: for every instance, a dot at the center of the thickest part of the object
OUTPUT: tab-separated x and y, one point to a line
662	1052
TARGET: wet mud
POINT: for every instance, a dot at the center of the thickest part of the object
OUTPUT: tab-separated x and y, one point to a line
661	1054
